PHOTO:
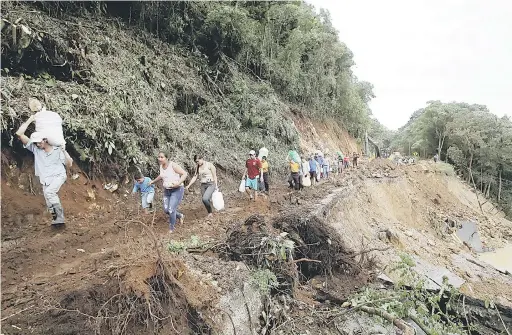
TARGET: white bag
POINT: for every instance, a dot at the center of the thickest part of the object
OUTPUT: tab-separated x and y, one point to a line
263	152
218	200
241	188
306	181
50	125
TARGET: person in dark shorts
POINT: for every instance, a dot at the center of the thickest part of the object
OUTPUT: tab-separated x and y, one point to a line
312	170
265	170
354	159
294	180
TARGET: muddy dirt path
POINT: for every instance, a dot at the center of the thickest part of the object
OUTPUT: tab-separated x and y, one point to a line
40	263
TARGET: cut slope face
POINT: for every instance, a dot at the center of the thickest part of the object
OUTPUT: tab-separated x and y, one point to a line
417	212
327	137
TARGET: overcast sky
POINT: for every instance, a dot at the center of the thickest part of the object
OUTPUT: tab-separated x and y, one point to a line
418	50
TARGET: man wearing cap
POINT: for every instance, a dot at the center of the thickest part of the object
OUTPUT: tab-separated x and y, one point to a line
50	166
252	172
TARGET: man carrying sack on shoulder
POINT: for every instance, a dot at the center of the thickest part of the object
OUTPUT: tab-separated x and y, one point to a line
50	166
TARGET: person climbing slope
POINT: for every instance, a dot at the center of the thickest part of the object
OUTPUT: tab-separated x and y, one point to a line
147	191
355	157
312	170
265	169
304	171
173	177
294	179
326	167
207	174
50	166
252	172
340	162
346	161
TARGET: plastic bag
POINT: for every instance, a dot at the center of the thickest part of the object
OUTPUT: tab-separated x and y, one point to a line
241	188
306	181
50	124
263	152
294	156
261	185
218	200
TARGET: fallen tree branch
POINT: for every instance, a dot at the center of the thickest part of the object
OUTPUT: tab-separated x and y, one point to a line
399	323
18	312
503	322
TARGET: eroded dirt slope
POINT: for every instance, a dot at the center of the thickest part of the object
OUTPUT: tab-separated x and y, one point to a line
111	270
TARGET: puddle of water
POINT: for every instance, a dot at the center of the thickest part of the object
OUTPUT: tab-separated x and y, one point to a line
469	234
500	258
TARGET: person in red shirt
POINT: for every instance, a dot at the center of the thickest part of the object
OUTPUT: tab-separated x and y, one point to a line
252	173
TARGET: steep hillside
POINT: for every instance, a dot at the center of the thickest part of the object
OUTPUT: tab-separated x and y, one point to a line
125	94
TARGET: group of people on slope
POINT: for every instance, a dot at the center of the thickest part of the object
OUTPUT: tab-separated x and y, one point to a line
318	167
51	161
50	164
173	177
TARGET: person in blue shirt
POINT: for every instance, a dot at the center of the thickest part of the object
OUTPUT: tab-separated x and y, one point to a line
312	170
147	191
320	161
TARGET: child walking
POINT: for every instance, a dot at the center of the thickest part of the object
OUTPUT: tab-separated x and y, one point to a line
147	191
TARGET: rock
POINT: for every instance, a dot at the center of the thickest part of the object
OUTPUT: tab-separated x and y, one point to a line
431	243
382	236
91	196
29	218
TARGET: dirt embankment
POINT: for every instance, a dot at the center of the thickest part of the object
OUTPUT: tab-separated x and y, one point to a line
114	271
110	270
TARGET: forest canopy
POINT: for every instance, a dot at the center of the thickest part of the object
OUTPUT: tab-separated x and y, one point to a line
285	43
475	141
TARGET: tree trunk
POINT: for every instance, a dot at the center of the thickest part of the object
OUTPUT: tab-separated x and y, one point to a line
474	186
481	179
470	174
499	188
488	190
440	146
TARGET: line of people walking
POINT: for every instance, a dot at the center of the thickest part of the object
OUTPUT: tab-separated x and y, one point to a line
51	162
317	167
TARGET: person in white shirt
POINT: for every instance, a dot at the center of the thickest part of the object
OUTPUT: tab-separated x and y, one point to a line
50	166
173	177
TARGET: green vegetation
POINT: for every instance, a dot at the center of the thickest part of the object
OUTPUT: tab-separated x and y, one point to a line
218	78
265	280
193	243
475	141
410	299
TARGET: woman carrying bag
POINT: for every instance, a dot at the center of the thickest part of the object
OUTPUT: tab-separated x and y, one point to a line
207	174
